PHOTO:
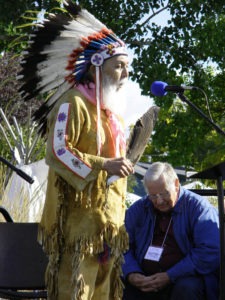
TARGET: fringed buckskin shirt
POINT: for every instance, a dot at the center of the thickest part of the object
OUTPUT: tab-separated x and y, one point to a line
81	213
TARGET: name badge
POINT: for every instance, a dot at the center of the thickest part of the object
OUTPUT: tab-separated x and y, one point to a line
154	253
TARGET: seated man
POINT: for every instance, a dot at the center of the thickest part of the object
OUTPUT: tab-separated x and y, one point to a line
174	242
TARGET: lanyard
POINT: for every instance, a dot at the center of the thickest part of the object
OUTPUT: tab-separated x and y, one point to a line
167	230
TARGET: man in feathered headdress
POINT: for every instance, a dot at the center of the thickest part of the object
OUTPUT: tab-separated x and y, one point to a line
85	65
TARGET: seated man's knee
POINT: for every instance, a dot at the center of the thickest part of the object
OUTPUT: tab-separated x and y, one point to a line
188	288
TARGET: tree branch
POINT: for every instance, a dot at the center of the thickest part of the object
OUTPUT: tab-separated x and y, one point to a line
154	14
138	43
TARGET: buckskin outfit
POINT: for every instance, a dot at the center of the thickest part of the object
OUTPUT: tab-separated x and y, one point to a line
81	229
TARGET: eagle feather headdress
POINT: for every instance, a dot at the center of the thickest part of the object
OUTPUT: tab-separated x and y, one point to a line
60	52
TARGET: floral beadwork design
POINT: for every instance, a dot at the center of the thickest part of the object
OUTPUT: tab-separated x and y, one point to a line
97	59
61	148
60	134
76	163
111	49
62	117
61	151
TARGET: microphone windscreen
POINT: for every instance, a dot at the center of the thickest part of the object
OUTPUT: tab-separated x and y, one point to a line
158	88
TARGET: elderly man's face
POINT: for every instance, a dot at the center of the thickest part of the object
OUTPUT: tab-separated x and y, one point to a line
116	68
162	196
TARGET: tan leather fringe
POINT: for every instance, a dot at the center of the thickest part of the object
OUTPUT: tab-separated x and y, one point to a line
54	245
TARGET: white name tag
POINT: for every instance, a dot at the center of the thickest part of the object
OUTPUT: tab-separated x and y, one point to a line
154	253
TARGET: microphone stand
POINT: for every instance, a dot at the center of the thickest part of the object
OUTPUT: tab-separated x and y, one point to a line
216	127
217	174
17	170
21	174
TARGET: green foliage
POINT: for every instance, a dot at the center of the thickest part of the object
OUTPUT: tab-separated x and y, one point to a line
16	13
13	106
131	183
28	137
10	99
185	51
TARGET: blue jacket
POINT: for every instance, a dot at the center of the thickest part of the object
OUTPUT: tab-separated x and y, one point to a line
196	230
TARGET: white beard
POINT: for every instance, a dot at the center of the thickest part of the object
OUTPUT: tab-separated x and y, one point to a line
113	98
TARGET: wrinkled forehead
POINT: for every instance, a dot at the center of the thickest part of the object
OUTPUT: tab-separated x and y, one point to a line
159	185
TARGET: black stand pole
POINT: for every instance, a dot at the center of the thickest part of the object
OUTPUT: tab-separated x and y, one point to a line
222	239
222	246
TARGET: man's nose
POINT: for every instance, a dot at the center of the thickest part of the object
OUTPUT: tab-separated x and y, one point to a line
159	200
125	72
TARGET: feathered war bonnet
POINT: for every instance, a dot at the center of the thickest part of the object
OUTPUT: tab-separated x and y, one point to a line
60	52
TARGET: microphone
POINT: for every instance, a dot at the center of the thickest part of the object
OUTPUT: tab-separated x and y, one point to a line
160	88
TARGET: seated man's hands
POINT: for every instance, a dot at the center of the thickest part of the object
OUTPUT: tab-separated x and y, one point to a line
151	283
121	167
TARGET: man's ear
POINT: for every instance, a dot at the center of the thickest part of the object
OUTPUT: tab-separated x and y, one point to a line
177	184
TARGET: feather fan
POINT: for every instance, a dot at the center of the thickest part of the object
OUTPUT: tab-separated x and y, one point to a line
139	137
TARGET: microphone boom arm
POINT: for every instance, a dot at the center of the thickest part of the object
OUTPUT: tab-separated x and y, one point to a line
17	170
215	126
